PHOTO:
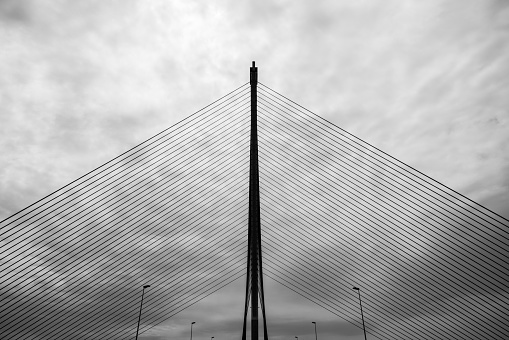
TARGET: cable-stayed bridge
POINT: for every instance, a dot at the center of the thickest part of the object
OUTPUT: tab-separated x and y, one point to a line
335	212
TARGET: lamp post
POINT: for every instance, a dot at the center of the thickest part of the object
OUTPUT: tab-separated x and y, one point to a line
362	315
297	337
192	323
211	337
141	306
316	334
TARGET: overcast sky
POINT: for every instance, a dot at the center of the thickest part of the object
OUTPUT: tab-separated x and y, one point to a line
83	81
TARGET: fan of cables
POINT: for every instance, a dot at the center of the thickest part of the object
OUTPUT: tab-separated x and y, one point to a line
429	262
336	212
171	213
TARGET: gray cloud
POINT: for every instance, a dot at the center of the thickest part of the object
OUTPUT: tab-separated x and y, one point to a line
15	11
82	82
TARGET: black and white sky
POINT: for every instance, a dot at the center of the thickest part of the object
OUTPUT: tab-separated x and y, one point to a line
424	81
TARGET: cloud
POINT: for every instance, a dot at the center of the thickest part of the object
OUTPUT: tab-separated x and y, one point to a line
15	11
83	82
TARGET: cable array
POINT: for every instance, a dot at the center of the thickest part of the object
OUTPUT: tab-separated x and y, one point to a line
431	263
171	212
336	212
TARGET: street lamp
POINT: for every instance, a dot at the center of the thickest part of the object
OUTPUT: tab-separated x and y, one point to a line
192	323
316	334
141	306
362	315
211	337
297	337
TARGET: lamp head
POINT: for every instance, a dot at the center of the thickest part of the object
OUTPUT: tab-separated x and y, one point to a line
313	322
356	288
146	286
192	323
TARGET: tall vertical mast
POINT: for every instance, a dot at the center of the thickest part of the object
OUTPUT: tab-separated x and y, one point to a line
254	202
254	284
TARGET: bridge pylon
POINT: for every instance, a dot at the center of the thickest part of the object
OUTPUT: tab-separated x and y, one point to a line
254	282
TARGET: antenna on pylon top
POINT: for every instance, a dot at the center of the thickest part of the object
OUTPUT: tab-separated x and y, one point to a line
253	80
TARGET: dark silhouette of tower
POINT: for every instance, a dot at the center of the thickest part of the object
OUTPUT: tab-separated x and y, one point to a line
254	282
